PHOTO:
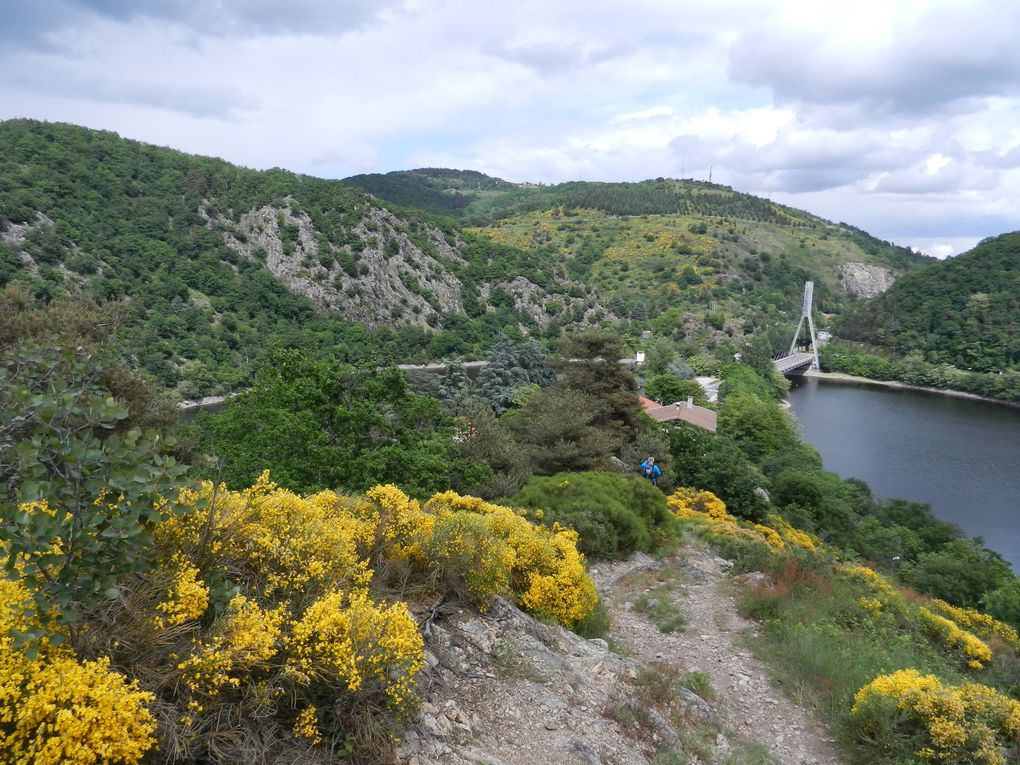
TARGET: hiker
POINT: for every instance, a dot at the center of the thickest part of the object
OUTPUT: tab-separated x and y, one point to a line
650	470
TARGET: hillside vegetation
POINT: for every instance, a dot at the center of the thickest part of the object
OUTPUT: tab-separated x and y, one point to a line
220	263
964	311
706	261
217	614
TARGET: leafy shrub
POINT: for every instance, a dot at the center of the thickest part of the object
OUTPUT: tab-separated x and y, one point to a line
613	514
752	546
546	570
268	623
907	713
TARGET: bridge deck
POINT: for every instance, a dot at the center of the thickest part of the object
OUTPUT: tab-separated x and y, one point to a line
794	361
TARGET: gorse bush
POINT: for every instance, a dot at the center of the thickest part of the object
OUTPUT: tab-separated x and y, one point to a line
270	623
906	710
751	545
613	514
56	710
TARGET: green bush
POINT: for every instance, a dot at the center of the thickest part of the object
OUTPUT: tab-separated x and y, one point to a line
614	514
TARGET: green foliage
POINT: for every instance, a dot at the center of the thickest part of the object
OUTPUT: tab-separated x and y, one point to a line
151	224
512	366
1003	602
82	478
319	423
913	370
741	378
659	354
614	514
668	389
961	311
588	363
960	572
555	428
706	461
760	428
485	440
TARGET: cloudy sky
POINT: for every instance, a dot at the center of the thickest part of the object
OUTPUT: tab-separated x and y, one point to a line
898	116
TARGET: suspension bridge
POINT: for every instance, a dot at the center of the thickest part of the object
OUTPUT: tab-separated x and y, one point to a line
801	356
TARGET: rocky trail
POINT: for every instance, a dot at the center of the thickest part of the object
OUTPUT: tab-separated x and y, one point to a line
677	687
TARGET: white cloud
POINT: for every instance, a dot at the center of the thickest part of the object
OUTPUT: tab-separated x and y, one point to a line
903	118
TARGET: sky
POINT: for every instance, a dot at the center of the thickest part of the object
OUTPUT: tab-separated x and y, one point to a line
901	117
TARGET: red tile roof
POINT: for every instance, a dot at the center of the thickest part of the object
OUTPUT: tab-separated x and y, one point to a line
647	403
683	410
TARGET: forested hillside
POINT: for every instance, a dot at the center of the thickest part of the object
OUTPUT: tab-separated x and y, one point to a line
964	311
219	264
711	262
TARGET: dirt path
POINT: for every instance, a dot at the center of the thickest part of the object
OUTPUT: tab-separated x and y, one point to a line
710	643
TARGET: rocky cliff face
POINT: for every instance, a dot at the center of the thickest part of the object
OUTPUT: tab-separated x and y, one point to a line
380	276
864	280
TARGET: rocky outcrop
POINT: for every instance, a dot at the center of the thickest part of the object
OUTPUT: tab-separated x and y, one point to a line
385	279
379	275
506	688
864	280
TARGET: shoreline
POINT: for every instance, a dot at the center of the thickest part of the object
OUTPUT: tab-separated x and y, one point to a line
842	377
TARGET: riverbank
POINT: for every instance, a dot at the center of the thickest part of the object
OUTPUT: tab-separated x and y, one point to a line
841	377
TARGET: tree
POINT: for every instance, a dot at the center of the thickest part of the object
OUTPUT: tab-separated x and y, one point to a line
706	461
512	366
659	354
555	427
485	439
589	363
961	572
318	423
84	479
668	389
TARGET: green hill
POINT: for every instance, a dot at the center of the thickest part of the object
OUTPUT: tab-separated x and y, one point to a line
221	263
714	262
964	311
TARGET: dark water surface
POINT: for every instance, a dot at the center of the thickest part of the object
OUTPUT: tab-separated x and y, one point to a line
962	457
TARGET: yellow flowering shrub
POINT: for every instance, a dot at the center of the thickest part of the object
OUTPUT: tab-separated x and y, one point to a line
468	558
350	640
403	527
790	535
275	538
976	650
247	637
984	626
306	726
870	578
55	709
546	573
692	503
186	600
953	724
72	713
705	507
873	606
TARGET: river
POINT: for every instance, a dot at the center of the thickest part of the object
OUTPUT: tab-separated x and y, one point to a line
960	456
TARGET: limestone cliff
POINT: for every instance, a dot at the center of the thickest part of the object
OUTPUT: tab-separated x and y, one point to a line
865	280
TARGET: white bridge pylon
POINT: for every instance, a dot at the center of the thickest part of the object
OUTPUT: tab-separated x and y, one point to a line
805	315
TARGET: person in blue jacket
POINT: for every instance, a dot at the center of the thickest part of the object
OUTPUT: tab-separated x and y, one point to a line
650	470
